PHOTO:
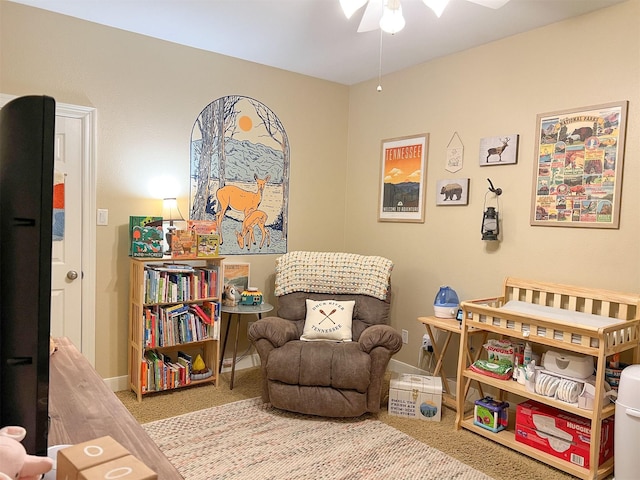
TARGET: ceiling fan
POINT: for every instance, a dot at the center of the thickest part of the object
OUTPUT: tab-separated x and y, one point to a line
387	14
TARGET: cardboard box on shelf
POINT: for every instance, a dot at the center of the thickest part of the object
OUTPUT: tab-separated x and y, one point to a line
416	396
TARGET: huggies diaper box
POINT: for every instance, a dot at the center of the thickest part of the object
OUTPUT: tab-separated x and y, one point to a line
416	396
561	434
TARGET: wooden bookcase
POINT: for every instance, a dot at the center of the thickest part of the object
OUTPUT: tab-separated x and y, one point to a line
620	333
144	335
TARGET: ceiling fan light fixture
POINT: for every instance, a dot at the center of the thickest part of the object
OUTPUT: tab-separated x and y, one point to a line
437	6
491	3
349	7
392	20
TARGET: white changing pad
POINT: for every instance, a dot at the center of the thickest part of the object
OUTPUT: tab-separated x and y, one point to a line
560	314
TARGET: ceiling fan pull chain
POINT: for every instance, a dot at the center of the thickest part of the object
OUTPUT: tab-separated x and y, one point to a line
379	88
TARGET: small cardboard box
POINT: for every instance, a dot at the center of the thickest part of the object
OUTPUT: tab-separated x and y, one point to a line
561	434
126	468
416	396
72	460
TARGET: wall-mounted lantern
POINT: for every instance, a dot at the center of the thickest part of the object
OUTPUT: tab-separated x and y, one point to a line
490	217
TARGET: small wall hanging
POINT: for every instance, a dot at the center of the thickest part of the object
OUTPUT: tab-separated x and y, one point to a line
455	154
453	191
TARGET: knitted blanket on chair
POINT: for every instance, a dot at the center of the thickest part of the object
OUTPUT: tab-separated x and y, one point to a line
334	273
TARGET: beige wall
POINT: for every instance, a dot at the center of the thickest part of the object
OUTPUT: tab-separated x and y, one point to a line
493	90
148	94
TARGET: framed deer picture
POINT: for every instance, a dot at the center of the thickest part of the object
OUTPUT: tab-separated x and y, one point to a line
501	150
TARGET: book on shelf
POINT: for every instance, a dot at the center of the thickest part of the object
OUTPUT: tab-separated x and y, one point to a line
166	326
186	360
207	245
202	226
177	309
145	236
153	371
202	314
212	309
174	267
143	376
179	283
208	281
183	244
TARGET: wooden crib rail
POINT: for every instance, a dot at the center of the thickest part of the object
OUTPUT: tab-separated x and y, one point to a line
597	301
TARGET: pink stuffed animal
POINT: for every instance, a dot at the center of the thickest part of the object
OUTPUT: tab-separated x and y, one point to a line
15	463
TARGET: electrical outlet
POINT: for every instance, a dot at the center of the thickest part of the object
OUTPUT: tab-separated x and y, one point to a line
405	336
426	343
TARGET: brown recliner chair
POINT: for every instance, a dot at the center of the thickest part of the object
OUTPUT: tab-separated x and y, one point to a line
327	378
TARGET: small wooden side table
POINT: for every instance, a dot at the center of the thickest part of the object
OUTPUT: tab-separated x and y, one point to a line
239	310
451	326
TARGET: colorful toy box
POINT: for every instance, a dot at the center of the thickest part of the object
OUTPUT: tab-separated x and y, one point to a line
416	396
561	434
491	414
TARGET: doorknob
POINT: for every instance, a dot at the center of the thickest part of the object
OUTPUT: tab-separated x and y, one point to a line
72	274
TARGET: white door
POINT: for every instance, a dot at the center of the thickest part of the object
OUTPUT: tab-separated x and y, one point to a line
66	259
73	300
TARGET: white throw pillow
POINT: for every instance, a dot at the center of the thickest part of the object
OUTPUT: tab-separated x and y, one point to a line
328	320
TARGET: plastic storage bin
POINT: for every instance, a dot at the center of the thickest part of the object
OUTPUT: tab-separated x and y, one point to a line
491	414
627	426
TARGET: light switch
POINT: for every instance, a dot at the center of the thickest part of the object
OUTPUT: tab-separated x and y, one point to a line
103	216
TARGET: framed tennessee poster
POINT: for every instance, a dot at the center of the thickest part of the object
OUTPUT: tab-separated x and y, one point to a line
403	176
577	176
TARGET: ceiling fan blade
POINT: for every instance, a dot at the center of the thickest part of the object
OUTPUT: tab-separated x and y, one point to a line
371	17
349	7
490	3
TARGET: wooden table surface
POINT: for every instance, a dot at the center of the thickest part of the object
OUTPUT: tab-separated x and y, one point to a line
82	408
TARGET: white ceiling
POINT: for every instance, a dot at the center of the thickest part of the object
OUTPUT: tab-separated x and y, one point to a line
313	37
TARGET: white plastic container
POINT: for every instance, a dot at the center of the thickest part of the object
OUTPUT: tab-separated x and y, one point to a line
627	425
446	303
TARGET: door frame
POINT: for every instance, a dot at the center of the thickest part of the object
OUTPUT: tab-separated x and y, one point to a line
87	115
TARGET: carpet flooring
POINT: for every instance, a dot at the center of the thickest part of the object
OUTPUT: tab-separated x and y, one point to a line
252	440
492	459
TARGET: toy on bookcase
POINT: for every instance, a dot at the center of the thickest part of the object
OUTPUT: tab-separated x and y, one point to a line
200	370
183	244
146	236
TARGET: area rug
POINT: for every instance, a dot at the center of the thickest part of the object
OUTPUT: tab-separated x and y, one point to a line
252	440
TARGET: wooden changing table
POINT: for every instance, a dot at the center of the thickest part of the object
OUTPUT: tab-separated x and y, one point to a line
619	331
